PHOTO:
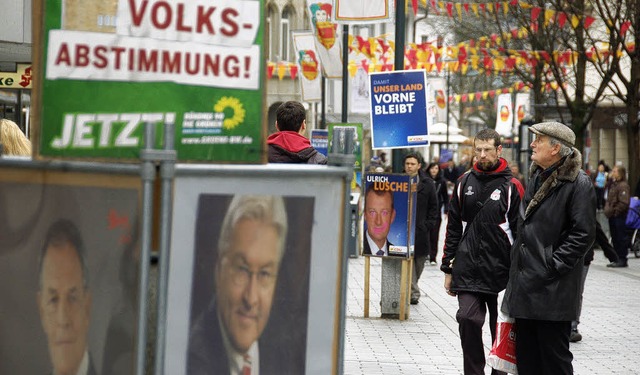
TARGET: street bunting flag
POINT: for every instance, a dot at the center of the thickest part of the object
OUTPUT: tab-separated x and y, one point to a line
398	109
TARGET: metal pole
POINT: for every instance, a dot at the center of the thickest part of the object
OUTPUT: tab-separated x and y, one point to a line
398	63
323	98
167	173
344	157
447	99
345	72
147	174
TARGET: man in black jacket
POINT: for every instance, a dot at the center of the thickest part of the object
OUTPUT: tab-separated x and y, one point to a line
288	144
483	215
557	227
426	219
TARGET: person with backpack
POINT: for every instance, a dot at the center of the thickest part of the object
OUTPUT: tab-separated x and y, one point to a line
483	215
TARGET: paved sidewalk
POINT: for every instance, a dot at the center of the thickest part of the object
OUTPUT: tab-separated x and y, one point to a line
428	342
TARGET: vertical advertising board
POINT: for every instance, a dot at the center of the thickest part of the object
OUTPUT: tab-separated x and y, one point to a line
106	67
398	109
389	214
320	140
69	260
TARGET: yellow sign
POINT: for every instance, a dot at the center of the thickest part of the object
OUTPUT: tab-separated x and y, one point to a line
18	80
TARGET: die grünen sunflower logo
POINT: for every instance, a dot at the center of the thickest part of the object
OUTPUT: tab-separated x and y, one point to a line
228	104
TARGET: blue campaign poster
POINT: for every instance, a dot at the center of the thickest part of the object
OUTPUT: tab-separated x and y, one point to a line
388	210
398	109
320	140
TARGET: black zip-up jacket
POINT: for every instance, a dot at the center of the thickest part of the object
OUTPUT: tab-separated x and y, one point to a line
557	228
483	215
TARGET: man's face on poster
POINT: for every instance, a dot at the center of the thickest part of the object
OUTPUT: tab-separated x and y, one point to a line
65	307
380	214
245	281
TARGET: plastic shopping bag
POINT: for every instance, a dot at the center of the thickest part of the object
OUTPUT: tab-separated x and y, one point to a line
502	356
633	216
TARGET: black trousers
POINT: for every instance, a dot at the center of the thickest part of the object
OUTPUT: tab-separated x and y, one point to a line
605	245
470	316
620	237
542	347
433	239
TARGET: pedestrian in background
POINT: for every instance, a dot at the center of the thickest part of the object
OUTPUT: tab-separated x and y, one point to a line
615	209
13	140
600	182
288	144
426	218
433	171
556	229
483	215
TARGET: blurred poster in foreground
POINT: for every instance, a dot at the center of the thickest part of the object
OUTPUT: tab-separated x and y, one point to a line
69	260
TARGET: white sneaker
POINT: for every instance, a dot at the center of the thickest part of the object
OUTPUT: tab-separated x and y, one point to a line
433	263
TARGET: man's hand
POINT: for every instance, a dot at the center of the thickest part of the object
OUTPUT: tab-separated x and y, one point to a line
447	284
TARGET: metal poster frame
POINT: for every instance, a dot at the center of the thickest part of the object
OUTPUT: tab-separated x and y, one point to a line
103	203
327	188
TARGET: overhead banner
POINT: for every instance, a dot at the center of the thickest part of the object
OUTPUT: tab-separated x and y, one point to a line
327	37
359	98
504	117
439	90
197	63
398	109
310	67
389	214
523	108
360	12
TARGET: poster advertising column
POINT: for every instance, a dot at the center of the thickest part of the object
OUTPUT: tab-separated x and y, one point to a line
389	214
106	67
398	109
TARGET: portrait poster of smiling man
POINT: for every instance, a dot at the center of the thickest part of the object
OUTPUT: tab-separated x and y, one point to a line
389	214
106	67
256	271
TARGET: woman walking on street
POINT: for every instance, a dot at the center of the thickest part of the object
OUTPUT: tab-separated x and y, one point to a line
433	171
615	209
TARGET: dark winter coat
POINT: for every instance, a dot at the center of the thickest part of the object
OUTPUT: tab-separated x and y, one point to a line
427	213
483	215
618	199
292	147
557	228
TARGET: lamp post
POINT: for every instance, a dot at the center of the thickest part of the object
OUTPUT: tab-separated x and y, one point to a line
447	99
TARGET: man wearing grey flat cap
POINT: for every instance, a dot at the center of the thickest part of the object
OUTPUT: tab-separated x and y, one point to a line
556	228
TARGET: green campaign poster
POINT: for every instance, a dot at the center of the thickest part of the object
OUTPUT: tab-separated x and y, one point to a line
108	66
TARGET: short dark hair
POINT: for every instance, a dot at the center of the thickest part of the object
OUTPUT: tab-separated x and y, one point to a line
488	134
63	232
414	155
290	116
